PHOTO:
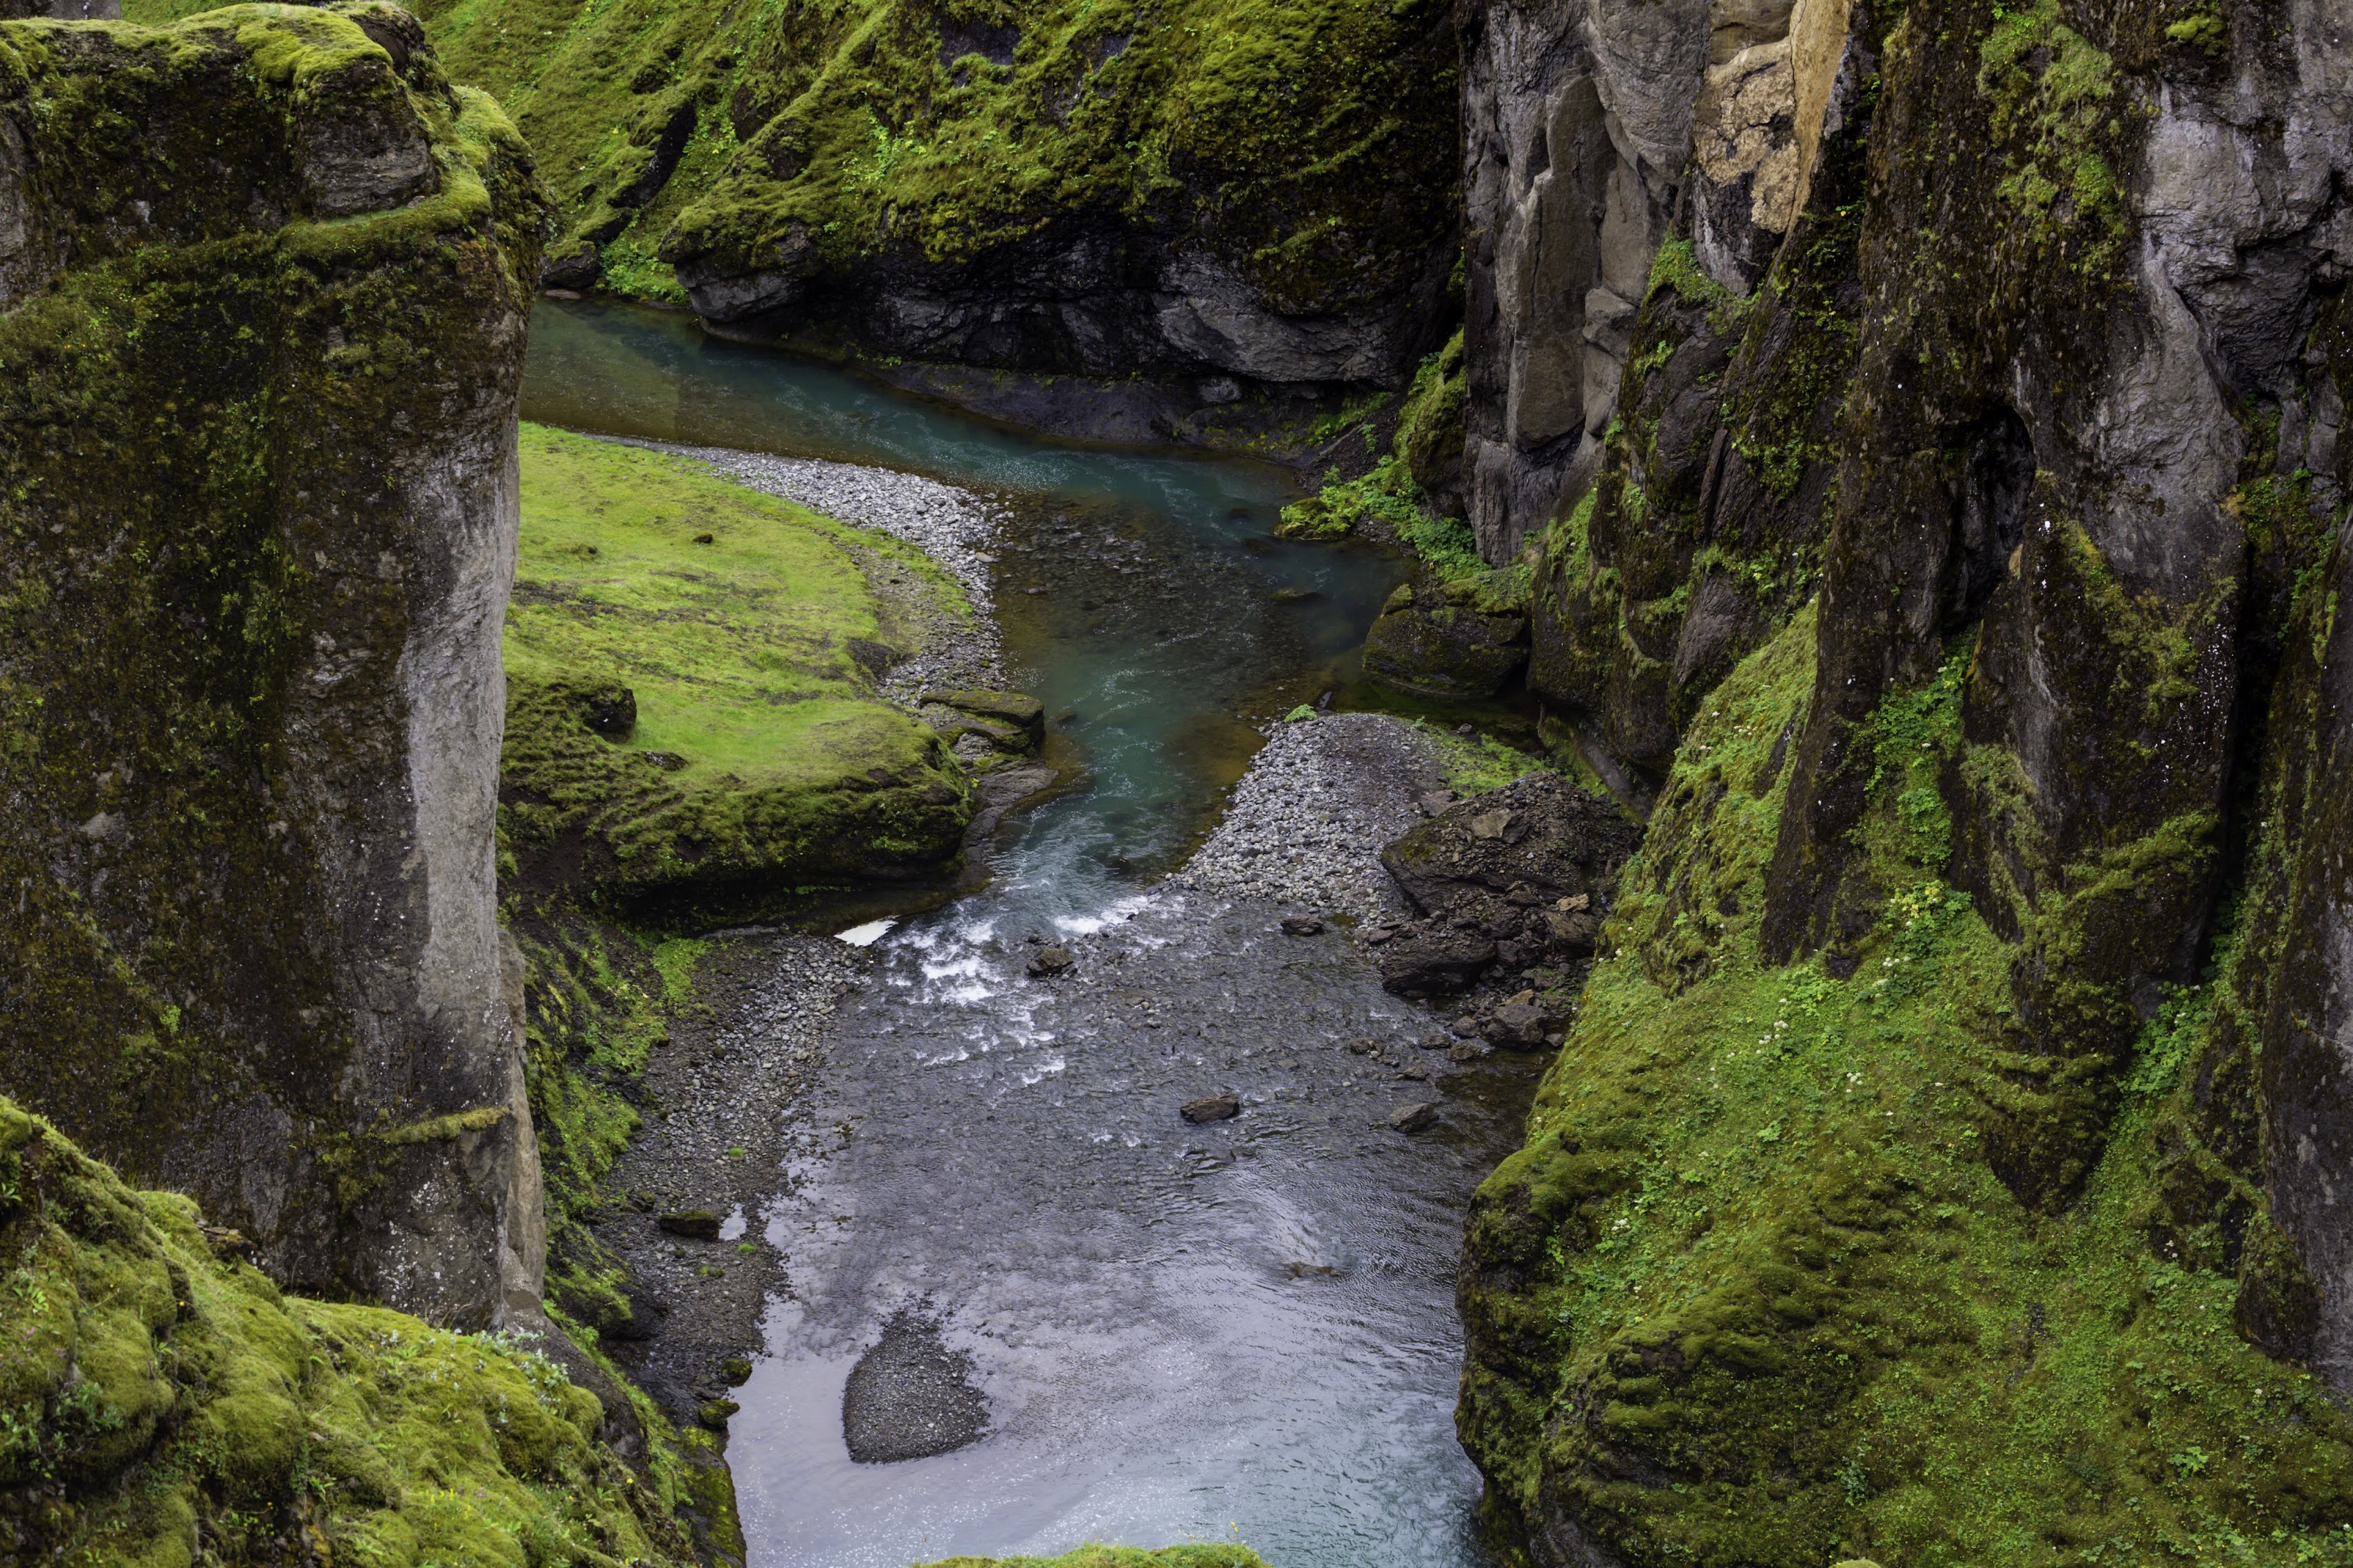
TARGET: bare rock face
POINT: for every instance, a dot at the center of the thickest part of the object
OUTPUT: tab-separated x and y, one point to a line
1576	130
263	284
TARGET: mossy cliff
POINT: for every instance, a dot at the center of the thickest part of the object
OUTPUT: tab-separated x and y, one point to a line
162	1402
263	277
1253	194
1944	1165
693	712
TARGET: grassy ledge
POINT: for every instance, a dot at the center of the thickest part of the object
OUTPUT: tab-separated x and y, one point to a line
692	712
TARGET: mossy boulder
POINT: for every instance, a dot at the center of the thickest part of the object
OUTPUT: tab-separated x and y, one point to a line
1462	637
759	760
263	284
165	1403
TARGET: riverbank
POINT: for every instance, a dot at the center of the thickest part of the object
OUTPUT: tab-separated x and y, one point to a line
955	528
1305	826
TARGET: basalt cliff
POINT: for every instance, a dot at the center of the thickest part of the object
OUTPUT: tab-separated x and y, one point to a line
1943	542
263	283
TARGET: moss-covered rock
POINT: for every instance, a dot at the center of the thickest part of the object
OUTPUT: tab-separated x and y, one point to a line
263	277
1216	190
740	638
161	1402
1754	1291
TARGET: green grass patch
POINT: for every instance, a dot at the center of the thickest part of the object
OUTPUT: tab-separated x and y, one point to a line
746	630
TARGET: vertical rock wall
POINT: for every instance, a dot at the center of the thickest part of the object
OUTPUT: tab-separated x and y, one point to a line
263	285
1962	561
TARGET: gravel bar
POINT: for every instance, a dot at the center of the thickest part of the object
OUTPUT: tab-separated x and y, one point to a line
1307	823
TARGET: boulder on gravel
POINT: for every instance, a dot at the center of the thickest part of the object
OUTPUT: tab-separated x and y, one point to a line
1435	962
1505	882
701	1225
1050	960
1414	1118
1540	833
1211	1108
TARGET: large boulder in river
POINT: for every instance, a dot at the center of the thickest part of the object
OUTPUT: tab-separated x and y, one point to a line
263	284
1462	640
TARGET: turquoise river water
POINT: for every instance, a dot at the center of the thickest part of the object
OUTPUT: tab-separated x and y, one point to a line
1181	1332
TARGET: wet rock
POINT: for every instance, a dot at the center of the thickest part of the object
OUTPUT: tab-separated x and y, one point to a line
1520	1024
1007	707
713	1413
1414	1118
911	1396
1449	652
1211	1108
1436	801
1435	964
573	267
701	1224
1048	962
1302	925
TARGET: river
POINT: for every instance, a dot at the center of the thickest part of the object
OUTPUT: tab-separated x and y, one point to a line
1181	1332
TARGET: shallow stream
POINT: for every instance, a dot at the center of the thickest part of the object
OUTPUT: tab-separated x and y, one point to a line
1182	1333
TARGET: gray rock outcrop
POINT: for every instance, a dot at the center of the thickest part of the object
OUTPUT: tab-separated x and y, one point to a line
263	286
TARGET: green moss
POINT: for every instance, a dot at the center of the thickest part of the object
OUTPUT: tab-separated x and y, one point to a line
1310	139
761	756
2054	117
160	1404
1429	430
1754	1292
1676	268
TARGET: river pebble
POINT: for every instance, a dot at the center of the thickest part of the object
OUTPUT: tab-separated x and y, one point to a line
723	1101
1306	825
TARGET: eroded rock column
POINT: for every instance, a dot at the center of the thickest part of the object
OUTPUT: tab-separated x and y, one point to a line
263	288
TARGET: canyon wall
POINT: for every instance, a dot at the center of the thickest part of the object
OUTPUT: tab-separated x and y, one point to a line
1946	1160
1235	205
263	284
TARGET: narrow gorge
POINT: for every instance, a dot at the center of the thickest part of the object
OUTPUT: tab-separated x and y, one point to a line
1228	783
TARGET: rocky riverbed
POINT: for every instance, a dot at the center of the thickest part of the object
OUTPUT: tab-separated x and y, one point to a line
1305	826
